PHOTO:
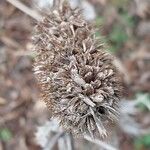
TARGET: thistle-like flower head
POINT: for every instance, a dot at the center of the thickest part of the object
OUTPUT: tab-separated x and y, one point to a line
78	80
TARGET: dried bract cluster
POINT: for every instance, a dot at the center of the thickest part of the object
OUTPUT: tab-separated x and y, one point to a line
78	80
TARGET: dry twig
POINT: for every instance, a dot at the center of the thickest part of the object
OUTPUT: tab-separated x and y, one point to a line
100	143
25	9
53	141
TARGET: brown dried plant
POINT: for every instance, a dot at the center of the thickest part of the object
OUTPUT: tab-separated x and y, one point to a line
79	82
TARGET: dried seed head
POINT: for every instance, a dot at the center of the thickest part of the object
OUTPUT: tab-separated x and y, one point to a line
78	80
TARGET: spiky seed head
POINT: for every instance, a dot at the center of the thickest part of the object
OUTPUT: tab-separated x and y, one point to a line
78	80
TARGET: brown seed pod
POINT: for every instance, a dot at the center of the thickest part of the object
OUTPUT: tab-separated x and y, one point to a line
79	83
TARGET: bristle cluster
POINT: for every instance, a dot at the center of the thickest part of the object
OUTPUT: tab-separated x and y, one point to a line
78	80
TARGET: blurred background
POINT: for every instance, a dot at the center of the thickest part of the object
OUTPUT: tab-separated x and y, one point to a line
125	26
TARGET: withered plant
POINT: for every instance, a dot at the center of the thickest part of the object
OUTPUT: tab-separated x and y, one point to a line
78	80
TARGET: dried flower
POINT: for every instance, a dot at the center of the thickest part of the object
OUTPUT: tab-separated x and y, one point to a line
78	80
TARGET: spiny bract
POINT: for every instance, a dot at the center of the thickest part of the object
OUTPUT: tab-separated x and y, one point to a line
78	80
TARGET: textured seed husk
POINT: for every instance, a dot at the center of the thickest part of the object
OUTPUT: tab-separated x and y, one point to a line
78	81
